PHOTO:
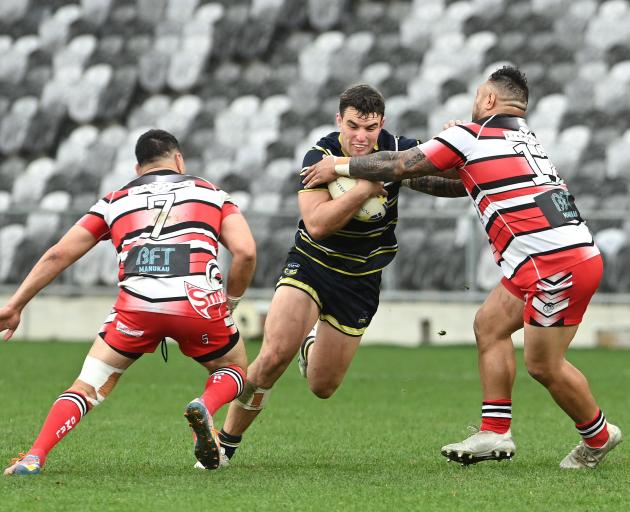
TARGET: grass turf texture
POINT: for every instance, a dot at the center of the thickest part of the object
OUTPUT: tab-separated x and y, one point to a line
373	446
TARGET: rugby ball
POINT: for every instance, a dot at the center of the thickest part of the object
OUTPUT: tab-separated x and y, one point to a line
372	210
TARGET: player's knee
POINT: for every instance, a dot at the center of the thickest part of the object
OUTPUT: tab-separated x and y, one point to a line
323	392
97	379
540	371
323	389
270	365
480	324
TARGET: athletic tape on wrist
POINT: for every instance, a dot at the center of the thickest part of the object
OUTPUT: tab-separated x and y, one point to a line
232	302
342	168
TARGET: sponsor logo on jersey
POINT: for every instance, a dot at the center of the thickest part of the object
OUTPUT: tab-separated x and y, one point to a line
202	300
291	269
160	187
134	333
173	260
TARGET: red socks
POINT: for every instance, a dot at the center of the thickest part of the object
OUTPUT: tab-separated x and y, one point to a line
594	432
496	415
223	386
64	415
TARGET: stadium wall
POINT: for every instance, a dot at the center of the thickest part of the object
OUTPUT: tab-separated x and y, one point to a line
398	322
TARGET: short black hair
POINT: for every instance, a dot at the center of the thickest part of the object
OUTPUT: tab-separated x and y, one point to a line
154	145
364	98
513	80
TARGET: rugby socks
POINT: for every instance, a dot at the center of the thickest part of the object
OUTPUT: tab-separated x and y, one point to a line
594	432
63	417
223	386
229	443
496	415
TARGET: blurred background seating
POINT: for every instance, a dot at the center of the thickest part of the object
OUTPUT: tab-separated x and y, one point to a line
249	85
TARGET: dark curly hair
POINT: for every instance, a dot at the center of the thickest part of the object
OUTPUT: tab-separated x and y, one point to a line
154	145
513	81
364	98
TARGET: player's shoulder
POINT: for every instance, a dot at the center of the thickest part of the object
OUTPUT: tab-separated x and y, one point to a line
387	141
328	145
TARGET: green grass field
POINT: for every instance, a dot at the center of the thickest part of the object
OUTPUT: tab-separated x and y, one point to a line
373	446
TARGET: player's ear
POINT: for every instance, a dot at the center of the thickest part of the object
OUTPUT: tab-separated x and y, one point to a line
491	100
137	168
179	163
339	120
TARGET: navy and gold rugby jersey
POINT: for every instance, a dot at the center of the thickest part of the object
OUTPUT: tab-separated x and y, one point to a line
360	247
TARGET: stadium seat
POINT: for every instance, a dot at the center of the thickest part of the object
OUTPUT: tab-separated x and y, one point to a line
11	236
5	200
15	126
58	201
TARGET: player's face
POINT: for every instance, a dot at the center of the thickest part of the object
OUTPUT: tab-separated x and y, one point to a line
359	132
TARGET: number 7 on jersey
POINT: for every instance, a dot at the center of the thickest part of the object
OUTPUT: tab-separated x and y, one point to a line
166	202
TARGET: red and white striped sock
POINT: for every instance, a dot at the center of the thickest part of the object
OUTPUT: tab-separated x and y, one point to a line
64	416
496	415
223	386
594	432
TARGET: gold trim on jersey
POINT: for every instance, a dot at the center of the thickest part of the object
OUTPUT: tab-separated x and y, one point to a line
354	257
366	234
289	281
352	331
312	190
309	256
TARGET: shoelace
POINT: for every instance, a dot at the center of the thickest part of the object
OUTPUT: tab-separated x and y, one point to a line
473	429
584	454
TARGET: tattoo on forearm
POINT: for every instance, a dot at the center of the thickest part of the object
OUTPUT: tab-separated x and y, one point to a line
437	186
379	166
391	165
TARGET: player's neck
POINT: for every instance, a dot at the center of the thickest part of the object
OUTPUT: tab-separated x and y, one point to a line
159	166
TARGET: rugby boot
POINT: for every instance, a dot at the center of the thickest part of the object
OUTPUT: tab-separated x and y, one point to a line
480	446
24	465
303	353
585	457
207	446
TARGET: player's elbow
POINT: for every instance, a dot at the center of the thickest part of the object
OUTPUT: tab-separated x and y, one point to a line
317	232
57	256
246	253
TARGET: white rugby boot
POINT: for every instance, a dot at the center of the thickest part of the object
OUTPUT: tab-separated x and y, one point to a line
303	353
583	456
480	446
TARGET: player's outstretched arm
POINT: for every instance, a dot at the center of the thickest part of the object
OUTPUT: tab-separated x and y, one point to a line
74	244
437	186
238	239
381	166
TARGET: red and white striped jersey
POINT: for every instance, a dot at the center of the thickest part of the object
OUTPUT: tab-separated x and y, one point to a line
165	227
529	216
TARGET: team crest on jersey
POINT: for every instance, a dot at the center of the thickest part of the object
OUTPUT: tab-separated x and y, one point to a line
203	300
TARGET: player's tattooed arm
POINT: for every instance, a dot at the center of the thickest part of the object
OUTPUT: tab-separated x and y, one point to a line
436	186
391	165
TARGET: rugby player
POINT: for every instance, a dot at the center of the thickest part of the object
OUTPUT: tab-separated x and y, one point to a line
550	263
166	228
332	274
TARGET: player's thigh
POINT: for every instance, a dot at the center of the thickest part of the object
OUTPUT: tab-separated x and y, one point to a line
545	347
500	315
331	355
237	356
292	314
101	370
103	352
